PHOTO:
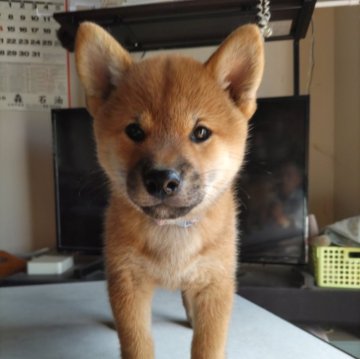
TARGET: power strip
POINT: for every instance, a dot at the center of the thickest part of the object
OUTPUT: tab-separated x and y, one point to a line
50	264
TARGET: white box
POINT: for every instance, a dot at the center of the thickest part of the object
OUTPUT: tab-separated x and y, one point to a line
50	264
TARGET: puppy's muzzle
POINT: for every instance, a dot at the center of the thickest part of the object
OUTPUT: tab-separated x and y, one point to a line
162	183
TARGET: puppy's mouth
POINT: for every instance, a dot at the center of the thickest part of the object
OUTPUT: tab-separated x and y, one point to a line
162	211
164	193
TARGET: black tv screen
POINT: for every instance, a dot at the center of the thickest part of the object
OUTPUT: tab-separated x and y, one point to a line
271	189
80	184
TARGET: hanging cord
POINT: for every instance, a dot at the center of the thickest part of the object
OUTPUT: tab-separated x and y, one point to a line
264	16
311	58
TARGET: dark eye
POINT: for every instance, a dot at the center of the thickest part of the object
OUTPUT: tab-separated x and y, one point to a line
135	132
200	134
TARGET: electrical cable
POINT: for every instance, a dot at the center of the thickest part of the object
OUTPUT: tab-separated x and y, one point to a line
311	57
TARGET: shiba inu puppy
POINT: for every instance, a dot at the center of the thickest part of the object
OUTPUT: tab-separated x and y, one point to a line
171	136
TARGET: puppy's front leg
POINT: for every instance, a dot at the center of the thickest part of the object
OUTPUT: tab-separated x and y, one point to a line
130	300
211	308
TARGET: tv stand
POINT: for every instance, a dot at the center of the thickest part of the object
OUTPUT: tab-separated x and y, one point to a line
271	275
86	266
289	291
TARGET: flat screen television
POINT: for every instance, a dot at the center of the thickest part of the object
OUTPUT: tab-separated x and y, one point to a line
271	189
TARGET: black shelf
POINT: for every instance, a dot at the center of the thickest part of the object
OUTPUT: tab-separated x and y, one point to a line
86	268
179	24
318	306
289	291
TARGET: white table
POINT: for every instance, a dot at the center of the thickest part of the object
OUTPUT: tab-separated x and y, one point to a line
73	321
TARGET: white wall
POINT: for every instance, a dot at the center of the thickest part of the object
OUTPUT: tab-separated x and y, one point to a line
322	118
347	112
334	166
27	215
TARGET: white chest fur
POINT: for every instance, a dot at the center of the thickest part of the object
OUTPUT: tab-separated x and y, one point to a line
172	255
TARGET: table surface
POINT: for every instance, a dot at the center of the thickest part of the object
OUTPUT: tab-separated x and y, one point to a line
74	321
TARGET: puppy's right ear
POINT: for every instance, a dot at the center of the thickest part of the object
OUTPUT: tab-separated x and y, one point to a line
100	61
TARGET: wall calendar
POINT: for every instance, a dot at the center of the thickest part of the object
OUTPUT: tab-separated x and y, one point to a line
33	65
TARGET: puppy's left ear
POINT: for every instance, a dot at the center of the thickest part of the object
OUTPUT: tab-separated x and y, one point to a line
238	65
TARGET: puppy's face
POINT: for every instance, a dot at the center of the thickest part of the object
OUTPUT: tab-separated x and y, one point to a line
170	131
169	138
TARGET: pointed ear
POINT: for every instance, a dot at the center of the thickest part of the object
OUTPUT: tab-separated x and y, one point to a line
238	65
100	62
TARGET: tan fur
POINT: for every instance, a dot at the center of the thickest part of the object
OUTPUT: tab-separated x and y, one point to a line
169	96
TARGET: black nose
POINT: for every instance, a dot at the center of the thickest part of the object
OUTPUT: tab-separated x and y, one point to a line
161	183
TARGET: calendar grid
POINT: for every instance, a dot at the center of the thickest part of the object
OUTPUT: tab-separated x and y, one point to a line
33	65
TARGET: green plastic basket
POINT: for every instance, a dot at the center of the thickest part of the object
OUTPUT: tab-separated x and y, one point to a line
337	267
